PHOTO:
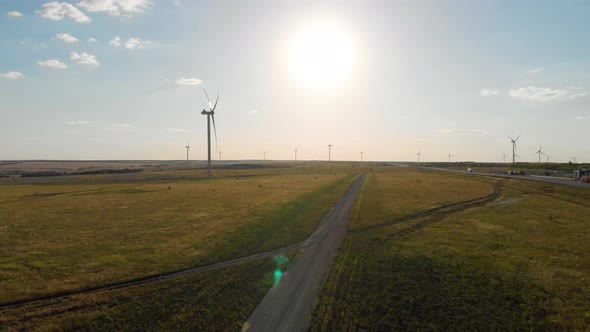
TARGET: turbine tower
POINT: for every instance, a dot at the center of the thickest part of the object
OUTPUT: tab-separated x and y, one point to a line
219	155
295	154
188	147
329	152
574	159
419	154
547	158
264	156
210	117
539	152
362	156
504	157
514	147
450	156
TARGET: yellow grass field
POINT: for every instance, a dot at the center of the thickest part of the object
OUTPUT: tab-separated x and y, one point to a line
63	237
393	193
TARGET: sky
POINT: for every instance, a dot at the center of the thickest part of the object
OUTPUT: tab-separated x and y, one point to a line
124	79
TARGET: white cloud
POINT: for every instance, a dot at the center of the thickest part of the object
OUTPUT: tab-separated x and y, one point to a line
132	43
56	11
116	41
92	40
446	131
14	14
67	38
582	117
188	81
404	117
137	43
78	122
12	75
533	71
52	63
547	94
84	59
254	112
489	92
180	130
122	127
115	7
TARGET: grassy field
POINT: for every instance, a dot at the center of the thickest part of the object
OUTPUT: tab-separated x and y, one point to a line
392	194
64	237
214	301
518	263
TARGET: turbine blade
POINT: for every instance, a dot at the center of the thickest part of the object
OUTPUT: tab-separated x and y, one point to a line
208	100
214	130
216	100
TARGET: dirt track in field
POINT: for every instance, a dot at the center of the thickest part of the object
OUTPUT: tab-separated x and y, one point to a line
288	305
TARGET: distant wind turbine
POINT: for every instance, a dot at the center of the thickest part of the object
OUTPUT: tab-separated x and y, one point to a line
329	152
264	155
514	147
210	116
220	155
419	154
450	156
547	158
539	152
504	157
574	159
362	156
295	154
188	147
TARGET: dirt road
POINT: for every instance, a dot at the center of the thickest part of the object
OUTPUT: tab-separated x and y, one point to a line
288	305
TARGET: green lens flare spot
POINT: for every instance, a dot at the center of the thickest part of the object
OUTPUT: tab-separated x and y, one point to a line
278	276
280	260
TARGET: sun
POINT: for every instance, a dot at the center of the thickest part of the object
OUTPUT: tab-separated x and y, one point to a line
321	55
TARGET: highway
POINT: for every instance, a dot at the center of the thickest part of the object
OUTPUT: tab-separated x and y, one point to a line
565	182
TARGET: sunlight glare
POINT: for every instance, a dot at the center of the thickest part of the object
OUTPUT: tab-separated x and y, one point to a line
321	55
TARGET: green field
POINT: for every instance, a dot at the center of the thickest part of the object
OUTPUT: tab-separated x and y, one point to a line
62	237
214	301
516	261
520	262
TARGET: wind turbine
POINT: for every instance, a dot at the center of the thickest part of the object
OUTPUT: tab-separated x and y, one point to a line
188	147
450	156
264	156
539	152
504	157
329	152
219	155
419	154
295	154
210	116
547	158
362	156
514	148
574	159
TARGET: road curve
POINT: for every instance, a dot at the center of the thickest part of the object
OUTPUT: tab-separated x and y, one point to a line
565	182
288	305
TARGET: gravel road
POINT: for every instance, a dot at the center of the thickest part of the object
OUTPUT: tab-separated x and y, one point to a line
288	305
